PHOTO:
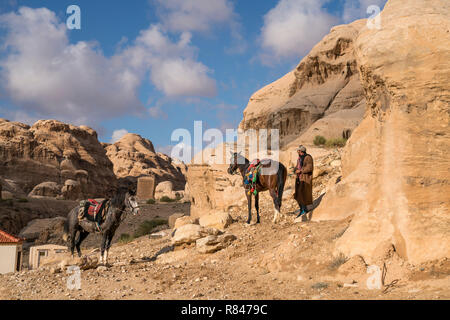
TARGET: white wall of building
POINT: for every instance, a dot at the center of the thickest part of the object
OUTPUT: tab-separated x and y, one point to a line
8	257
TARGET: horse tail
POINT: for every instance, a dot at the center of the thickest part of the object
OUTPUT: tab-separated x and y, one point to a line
65	236
281	180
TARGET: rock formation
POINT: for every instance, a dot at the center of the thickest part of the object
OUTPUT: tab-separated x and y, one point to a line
53	152
213	189
134	156
396	177
326	81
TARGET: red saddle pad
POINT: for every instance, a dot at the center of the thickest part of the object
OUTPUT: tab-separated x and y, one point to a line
94	208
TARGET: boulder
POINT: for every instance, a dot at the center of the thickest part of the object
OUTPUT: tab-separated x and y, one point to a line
71	190
45	189
184	220
214	243
217	220
207	241
188	234
173	218
211	188
165	189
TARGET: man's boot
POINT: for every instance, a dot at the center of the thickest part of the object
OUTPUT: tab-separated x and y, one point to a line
303	210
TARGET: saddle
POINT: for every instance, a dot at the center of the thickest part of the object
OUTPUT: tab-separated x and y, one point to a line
92	210
252	176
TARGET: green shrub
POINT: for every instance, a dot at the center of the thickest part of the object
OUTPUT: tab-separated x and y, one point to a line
167	199
338	142
151	201
125	238
148	226
319	141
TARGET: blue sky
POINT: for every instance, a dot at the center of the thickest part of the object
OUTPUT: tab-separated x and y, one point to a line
152	66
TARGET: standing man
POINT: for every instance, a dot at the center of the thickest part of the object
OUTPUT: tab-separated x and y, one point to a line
303	184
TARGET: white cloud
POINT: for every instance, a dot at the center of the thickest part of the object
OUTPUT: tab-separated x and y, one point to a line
173	66
181	77
194	15
202	16
48	76
118	134
293	27
357	9
157	112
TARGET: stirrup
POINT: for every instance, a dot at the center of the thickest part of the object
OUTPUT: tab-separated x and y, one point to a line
99	229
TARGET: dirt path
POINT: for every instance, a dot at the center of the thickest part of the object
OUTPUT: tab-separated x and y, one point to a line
285	261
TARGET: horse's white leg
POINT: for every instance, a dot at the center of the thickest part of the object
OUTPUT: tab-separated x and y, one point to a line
275	215
101	258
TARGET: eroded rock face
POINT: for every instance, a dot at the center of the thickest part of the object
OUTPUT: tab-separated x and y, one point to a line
396	179
134	156
52	151
326	81
212	189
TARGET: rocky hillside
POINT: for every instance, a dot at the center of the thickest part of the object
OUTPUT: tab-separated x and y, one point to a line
324	83
69	160
134	156
396	177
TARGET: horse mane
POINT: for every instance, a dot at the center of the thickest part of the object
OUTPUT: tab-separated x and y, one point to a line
119	198
246	161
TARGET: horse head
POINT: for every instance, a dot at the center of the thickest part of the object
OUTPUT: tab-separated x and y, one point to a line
235	161
131	203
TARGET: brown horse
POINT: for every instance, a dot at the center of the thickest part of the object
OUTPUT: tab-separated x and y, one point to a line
272	178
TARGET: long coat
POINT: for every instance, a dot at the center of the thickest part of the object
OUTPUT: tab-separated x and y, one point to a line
303	184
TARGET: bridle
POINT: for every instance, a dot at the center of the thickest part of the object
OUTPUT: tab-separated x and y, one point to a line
133	204
233	168
129	203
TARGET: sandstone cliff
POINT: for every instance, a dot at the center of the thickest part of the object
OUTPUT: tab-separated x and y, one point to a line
134	156
396	177
54	153
326	81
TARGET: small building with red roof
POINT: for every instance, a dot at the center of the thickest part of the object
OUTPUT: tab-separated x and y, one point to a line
10	253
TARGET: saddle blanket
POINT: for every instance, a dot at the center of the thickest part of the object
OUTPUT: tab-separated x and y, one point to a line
95	207
92	209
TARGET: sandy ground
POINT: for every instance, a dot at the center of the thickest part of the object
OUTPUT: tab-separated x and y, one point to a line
284	261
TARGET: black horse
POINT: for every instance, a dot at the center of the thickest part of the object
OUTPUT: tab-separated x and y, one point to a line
273	178
115	213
